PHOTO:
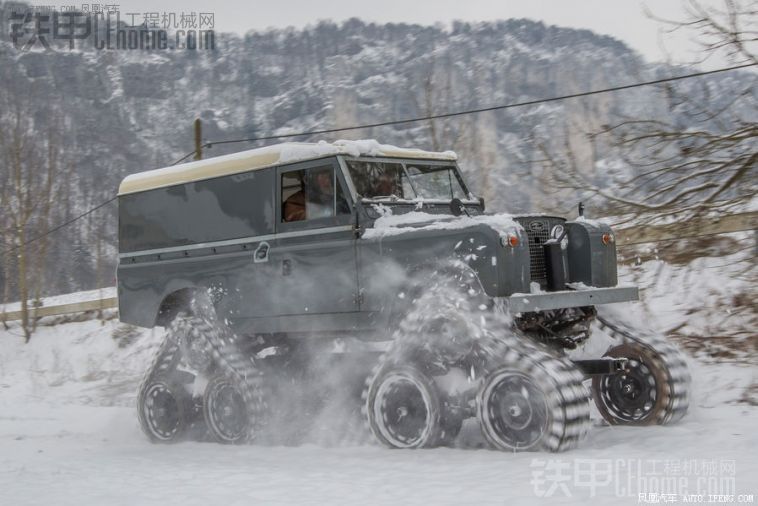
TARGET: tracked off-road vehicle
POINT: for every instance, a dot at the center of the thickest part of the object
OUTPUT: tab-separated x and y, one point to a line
258	261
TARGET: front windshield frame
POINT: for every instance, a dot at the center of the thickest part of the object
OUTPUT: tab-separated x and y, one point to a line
404	162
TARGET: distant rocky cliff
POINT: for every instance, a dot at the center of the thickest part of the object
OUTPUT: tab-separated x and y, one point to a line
128	111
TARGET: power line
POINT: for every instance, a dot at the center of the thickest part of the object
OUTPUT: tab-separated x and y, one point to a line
62	225
410	120
471	111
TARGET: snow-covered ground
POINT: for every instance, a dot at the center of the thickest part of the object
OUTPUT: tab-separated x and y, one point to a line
69	435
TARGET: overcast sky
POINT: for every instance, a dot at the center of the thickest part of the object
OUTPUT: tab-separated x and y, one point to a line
623	19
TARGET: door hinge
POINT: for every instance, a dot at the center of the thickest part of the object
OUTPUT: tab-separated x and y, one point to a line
358	298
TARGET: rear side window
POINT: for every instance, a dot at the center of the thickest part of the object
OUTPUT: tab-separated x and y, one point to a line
229	207
311	194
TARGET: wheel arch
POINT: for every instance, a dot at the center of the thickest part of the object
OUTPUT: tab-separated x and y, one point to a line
418	282
173	303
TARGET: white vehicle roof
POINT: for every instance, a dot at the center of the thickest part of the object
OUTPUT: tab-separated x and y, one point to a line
268	156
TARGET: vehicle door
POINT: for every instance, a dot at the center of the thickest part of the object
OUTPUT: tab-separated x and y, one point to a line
313	251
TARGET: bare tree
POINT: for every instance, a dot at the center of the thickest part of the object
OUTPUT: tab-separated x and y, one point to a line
698	156
30	149
728	31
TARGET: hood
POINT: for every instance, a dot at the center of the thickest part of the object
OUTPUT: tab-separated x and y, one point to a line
390	224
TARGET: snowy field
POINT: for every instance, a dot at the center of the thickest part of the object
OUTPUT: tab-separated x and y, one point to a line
69	434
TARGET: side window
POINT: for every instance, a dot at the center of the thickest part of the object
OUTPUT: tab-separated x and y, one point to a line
310	194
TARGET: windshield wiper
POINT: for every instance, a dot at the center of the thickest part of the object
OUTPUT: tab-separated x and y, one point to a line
393	198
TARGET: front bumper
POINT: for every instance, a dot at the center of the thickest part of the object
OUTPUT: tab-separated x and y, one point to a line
527	302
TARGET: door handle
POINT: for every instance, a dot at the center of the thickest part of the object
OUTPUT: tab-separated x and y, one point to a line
261	253
286	267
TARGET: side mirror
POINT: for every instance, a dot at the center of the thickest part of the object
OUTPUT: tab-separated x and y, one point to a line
456	207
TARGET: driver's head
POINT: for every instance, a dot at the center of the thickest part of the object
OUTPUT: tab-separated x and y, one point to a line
385	184
321	181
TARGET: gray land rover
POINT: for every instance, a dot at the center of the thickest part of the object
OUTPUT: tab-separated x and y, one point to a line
258	261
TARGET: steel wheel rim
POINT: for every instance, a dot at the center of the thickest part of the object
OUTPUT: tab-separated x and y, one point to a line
162	412
632	396
516	410
403	411
227	411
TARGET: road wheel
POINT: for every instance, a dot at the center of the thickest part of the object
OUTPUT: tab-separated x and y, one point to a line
232	409
656	387
533	401
161	401
639	396
403	408
161	410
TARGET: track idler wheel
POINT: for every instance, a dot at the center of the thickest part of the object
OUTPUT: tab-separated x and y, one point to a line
163	404
655	389
232	409
161	410
641	395
403	408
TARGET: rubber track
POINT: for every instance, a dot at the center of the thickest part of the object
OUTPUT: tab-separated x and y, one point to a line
221	344
571	412
568	398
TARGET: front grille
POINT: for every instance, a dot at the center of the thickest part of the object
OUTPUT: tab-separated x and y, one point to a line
538	230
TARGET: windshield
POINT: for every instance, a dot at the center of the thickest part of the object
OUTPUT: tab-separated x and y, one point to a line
389	180
435	181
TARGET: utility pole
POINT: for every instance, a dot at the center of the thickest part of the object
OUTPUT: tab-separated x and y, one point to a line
198	140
